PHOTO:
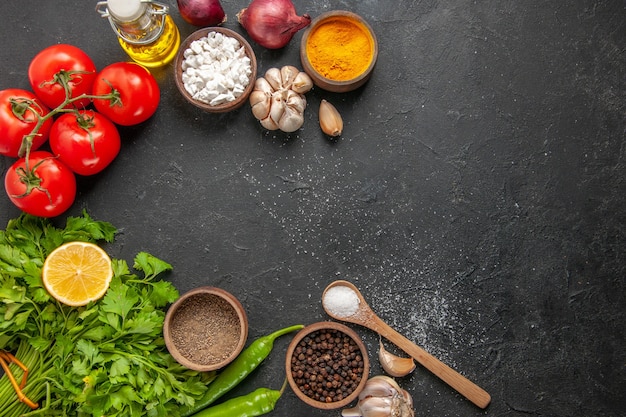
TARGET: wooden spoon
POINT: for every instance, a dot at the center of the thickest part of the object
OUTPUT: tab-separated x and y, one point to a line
364	316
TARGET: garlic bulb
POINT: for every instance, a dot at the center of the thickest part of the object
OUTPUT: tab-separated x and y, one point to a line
394	365
278	100
382	397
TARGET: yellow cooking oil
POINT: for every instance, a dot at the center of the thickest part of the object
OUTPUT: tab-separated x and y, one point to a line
145	30
158	53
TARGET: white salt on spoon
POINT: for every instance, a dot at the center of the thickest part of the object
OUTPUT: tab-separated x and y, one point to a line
343	301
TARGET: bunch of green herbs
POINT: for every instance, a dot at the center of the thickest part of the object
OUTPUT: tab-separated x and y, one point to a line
106	358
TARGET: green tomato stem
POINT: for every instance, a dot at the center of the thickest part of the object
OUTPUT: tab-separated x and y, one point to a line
27	141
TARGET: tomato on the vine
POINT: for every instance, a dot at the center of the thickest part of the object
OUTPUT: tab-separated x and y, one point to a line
19	114
45	187
85	141
58	66
139	93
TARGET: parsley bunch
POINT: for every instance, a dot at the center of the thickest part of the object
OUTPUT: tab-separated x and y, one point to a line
106	358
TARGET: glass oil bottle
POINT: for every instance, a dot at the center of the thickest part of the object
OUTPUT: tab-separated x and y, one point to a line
145	30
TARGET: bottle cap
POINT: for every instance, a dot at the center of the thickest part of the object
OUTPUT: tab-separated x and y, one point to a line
126	10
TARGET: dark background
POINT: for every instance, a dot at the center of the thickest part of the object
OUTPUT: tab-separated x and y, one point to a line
476	196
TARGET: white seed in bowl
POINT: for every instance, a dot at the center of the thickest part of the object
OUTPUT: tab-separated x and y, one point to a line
216	69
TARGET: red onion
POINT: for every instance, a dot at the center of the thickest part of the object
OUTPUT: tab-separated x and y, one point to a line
202	12
272	23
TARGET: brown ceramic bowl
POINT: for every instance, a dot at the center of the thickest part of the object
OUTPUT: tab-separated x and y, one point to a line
307	58
205	329
296	357
178	71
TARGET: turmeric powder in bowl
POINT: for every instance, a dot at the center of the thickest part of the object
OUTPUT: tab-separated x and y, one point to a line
339	51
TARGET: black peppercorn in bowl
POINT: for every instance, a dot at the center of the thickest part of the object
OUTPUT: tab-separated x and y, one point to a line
205	329
327	365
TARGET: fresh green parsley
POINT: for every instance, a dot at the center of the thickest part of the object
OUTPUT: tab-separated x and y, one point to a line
106	358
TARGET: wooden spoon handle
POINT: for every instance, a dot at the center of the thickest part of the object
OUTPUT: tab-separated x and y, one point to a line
461	384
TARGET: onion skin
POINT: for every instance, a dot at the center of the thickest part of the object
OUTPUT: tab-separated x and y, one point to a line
272	23
202	12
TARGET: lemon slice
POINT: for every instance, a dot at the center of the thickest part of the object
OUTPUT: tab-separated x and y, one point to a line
76	273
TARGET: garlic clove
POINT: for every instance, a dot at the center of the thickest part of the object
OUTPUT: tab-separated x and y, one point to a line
262	84
330	119
257	96
261	109
302	83
277	107
287	74
291	121
395	365
274	78
380	386
269	124
296	101
260	103
377	407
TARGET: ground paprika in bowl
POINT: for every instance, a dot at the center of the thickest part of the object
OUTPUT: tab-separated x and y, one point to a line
339	51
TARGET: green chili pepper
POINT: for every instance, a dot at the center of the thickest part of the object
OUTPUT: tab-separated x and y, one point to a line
238	370
258	402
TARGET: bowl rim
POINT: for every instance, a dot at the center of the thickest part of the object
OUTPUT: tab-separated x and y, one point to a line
323	325
205	290
327	83
198	34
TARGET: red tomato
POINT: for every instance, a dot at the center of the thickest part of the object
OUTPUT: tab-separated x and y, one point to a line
46	191
139	93
66	61
18	119
86	142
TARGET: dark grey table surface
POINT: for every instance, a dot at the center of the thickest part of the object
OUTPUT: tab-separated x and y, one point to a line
476	196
